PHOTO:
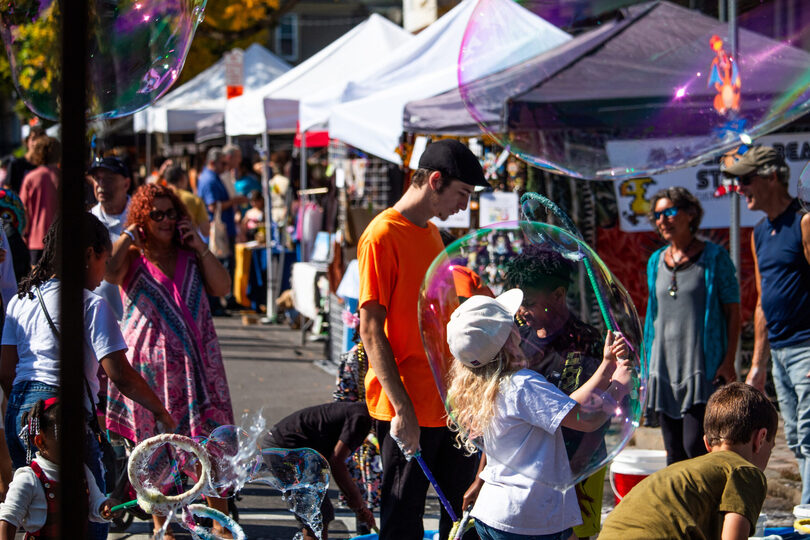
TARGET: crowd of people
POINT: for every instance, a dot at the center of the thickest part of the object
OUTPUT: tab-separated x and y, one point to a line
159	265
152	362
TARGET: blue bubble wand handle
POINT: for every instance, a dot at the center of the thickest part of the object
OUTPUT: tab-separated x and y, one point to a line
432	480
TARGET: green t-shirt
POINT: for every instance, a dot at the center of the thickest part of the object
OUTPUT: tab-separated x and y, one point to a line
688	499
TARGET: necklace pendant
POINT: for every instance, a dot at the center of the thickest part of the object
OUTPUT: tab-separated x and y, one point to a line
673	292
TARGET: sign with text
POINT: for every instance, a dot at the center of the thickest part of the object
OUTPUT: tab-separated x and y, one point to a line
459	220
498	206
633	196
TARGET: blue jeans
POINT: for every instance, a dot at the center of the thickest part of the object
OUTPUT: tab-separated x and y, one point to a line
485	532
24	396
790	368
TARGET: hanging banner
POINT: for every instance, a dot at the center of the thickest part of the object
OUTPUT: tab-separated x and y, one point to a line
633	196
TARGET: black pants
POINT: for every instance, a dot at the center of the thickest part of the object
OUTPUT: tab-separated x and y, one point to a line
683	437
404	485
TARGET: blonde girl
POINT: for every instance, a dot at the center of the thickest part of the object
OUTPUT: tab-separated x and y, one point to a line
515	413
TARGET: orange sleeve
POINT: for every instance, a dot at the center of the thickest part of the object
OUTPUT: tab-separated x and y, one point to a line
378	271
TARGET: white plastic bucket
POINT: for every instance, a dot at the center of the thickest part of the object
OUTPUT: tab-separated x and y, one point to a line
802	514
631	466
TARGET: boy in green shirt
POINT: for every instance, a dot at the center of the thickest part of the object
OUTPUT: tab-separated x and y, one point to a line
716	496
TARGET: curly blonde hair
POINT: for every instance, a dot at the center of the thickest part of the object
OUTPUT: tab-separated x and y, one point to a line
471	396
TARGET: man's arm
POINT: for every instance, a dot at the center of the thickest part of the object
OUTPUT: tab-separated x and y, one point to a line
404	426
735	527
759	361
337	462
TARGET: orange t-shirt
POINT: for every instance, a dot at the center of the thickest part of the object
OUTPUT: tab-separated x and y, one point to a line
393	256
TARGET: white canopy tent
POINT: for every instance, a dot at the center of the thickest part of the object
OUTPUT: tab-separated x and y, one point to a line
370	117
274	107
181	109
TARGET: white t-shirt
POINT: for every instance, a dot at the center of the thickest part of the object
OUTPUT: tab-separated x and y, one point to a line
525	434
8	281
115	224
25	505
38	348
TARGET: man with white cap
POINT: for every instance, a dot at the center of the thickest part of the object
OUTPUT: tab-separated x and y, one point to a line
394	254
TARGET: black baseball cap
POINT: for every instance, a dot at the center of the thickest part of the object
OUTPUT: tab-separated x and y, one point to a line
112	164
454	160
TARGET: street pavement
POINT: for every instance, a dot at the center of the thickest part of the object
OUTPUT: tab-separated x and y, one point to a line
269	370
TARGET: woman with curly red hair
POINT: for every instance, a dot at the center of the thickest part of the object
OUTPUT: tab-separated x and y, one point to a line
164	270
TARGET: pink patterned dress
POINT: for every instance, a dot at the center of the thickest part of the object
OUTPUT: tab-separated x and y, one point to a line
173	344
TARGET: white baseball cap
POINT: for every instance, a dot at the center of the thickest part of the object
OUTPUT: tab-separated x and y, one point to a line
479	328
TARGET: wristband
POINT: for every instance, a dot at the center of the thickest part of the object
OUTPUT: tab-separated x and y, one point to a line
204	253
130	234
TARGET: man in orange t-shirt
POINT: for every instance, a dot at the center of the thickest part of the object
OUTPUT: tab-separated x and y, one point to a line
394	254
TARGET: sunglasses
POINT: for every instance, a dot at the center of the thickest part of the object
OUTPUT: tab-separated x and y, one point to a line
672	211
158	215
747	179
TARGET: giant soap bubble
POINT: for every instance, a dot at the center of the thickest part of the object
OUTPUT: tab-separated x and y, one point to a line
652	89
570	301
136	51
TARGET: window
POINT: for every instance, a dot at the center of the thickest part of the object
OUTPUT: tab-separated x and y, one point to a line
287	37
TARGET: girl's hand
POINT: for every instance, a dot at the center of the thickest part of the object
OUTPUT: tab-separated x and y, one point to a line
168	423
616	347
105	510
189	236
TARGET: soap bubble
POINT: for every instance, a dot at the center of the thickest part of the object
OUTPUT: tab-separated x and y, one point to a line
803	190
136	51
302	476
570	301
652	90
165	471
234	455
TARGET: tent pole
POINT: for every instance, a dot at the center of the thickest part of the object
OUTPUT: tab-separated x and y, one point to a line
268	233
148	152
303	182
734	227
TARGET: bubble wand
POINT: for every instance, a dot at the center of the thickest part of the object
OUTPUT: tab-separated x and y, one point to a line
432	480
429	475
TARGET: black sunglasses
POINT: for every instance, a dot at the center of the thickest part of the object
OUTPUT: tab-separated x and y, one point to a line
158	215
747	179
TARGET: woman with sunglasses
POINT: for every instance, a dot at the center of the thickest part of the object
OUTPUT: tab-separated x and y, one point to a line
164	269
692	325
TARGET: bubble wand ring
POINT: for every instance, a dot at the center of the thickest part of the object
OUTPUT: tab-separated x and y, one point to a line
151	499
200	510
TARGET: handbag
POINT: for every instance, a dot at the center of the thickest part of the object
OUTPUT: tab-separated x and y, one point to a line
218	235
108	458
